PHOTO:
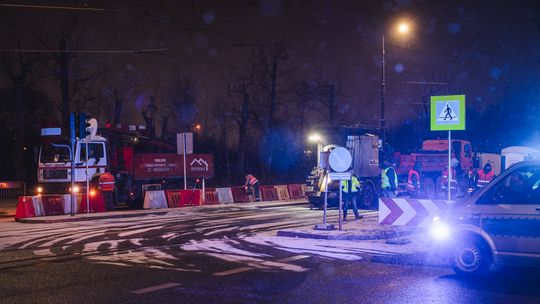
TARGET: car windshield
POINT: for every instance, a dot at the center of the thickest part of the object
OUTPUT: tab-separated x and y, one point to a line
50	154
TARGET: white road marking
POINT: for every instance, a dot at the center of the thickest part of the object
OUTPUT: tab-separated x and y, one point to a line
155	288
294	258
233	271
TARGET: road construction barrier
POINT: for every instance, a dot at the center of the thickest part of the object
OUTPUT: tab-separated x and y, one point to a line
25	208
210	197
96	203
409	212
183	198
53	204
269	193
38	205
295	191
240	195
45	205
282	192
155	199
225	195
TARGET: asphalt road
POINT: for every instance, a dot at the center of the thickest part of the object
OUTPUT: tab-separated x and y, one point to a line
224	255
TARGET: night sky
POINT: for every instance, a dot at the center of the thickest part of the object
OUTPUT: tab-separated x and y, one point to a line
484	49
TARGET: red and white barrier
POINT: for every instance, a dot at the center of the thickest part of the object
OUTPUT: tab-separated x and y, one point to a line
409	212
155	199
45	205
225	195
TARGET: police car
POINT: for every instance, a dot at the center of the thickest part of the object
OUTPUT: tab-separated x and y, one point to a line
499	225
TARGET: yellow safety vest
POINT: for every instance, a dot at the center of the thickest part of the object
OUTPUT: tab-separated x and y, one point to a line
385	181
355	185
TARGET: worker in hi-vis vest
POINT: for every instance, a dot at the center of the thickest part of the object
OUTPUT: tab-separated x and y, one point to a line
350	192
389	180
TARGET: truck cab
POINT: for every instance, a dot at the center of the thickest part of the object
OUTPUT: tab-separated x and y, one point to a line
55	164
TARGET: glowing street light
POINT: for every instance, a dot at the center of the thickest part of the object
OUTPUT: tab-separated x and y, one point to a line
403	28
316	138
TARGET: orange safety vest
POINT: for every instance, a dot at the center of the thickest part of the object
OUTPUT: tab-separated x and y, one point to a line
484	179
106	182
410	185
453	182
251	180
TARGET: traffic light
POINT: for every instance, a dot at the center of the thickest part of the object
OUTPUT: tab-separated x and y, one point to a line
81	125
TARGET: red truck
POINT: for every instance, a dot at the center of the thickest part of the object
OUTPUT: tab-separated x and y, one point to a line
137	161
433	157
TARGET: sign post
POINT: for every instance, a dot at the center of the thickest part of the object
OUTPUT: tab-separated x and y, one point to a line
340	160
72	152
447	114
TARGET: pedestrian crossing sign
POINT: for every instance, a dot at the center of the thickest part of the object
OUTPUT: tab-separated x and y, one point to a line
447	112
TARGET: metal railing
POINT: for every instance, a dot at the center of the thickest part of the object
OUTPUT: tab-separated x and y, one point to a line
12	189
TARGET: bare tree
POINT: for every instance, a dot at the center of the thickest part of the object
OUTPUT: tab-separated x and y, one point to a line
240	94
20	69
181	98
117	91
76	75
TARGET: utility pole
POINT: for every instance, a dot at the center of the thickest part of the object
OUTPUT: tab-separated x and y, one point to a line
332	105
64	85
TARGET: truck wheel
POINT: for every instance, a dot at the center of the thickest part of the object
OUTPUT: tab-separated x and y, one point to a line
472	257
368	199
428	187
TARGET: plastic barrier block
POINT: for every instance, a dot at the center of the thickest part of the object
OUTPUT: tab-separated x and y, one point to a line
283	192
269	193
192	197
96	203
240	195
67	204
211	197
295	191
38	205
183	198
53	204
25	208
224	195
155	199
174	198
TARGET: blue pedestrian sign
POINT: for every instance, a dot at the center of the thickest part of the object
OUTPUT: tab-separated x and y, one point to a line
448	113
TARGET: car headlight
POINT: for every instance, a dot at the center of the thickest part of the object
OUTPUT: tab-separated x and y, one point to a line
439	230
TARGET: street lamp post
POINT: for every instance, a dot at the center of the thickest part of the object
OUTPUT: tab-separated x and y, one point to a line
383	84
402	29
317	139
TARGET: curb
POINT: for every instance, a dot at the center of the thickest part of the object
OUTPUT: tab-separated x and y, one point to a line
350	237
38	220
128	214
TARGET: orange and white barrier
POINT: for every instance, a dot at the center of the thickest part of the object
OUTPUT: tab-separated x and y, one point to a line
45	205
183	198
282	192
